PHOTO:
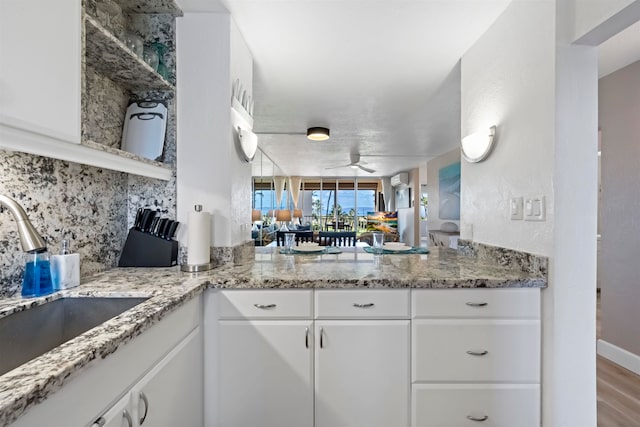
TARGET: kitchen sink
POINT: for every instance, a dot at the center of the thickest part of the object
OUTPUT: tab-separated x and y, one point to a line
30	333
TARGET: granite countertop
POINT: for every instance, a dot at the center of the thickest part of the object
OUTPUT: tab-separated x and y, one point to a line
168	288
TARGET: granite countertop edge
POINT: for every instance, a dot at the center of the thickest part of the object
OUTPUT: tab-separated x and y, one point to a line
167	289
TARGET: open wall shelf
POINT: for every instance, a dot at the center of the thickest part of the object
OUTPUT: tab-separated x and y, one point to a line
113	59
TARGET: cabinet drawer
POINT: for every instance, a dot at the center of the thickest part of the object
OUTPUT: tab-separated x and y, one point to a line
269	304
476	351
450	405
362	304
478	303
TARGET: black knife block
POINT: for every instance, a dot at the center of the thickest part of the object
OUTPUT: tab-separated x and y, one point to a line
146	250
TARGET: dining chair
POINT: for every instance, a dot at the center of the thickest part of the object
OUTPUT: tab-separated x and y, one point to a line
337	238
301	236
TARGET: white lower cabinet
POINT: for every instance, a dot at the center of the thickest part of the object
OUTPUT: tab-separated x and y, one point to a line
362	373
476	350
169	395
486	405
265	374
373	358
292	371
156	378
476	358
119	415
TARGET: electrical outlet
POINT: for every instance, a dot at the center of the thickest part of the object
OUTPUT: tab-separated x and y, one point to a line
516	208
535	209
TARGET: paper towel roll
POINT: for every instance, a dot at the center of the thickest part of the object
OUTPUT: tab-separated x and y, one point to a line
198	251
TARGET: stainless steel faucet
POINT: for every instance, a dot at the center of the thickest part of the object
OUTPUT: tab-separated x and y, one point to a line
30	240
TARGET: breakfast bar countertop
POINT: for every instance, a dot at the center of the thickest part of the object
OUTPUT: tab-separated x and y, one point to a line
168	288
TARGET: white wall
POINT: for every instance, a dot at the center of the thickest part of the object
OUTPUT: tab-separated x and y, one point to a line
210	172
569	304
619	112
524	77
433	188
512	87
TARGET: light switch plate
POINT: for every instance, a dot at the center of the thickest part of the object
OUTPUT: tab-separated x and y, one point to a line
516	208
535	208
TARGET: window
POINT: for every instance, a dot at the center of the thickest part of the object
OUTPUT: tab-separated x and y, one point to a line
326	204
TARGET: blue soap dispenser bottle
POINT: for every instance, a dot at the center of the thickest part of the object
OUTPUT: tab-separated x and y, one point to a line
37	274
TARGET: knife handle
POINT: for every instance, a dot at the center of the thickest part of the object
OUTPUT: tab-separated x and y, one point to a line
137	223
146	220
172	230
154	225
162	227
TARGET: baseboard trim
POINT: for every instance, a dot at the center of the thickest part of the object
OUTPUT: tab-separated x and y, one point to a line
618	355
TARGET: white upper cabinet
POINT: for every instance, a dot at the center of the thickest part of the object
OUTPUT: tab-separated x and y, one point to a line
40	69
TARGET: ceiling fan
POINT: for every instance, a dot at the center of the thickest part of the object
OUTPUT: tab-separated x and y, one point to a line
355	163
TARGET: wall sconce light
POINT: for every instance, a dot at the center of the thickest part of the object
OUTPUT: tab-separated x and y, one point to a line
318	134
477	146
248	142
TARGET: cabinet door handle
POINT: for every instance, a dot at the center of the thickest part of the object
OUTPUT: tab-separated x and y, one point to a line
477	353
265	306
126	416
477	304
355	304
321	335
306	337
143	397
482	418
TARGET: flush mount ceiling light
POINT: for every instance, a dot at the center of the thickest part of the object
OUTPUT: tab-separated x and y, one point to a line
477	146
318	134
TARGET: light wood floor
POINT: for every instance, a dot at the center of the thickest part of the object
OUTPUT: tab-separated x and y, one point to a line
618	392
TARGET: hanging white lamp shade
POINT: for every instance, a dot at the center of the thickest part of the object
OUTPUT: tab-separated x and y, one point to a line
294	188
278	182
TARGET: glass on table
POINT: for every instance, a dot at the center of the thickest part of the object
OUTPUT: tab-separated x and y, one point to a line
378	242
289	241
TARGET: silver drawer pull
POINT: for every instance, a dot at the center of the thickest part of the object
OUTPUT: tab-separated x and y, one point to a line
306	337
126	416
321	336
368	305
144	399
477	353
265	306
477	304
482	418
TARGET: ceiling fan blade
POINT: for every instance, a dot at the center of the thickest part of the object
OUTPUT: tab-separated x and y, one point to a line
338	167
366	169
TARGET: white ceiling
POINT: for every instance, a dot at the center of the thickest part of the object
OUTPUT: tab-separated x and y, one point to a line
619	51
383	75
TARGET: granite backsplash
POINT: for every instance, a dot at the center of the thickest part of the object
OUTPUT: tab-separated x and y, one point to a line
84	204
